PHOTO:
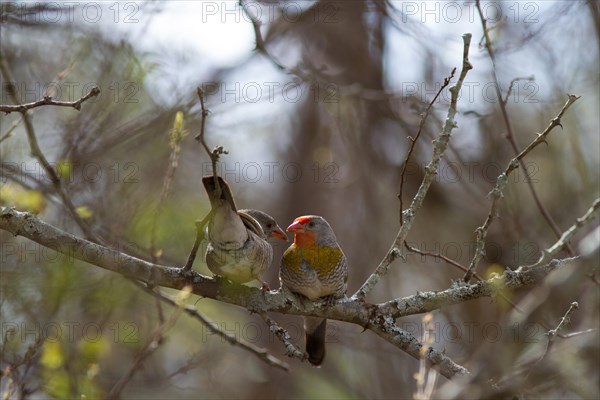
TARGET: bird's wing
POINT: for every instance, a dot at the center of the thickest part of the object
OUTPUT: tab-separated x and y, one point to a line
252	224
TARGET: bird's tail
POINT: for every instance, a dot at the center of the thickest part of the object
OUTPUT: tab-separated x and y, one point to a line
315	330
211	190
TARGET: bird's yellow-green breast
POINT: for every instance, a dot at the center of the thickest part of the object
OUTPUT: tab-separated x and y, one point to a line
320	258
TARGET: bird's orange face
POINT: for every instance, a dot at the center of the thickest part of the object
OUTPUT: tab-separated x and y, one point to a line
303	235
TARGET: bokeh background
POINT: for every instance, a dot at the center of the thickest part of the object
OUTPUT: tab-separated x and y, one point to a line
315	121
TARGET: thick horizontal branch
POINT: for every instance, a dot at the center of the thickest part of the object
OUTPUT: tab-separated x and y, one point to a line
380	318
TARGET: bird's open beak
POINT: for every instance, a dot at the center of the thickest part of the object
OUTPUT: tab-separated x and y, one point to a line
296	226
279	233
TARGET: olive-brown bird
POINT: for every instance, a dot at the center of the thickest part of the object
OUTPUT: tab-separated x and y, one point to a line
314	266
238	247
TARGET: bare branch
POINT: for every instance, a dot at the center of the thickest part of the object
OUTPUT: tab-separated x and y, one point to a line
199	238
569	233
283	335
214	158
215	153
509	130
48	101
426	377
565	319
498	191
10	130
261	353
413	141
439	146
262	48
570	335
552	334
437	255
512	84
39	155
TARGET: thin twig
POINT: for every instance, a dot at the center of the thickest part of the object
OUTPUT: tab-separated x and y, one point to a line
439	146
199	238
552	333
215	153
261	353
262	48
511	85
498	191
413	141
426	377
570	335
509	130
39	155
156	340
283	335
10	130
437	255
50	91
461	267
48	101
565	319
553	250
214	158
349	90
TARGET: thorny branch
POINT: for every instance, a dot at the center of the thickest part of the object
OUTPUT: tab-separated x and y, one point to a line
497	192
568	234
509	130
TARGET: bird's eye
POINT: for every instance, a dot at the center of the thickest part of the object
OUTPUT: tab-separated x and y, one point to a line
269	225
311	224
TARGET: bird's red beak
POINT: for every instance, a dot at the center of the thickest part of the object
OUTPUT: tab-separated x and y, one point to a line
279	233
296	226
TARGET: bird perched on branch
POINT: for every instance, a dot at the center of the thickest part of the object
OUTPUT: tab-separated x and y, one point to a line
238	247
314	266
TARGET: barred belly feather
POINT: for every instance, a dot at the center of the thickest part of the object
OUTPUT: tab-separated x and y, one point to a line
314	271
